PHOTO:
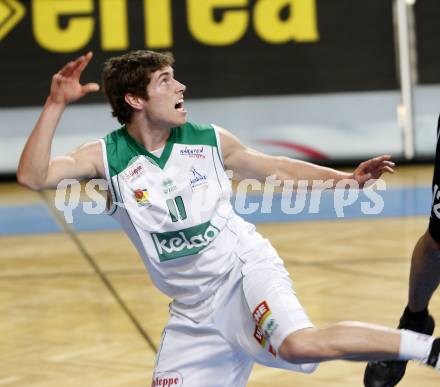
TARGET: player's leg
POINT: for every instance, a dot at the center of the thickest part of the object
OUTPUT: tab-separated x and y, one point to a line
261	314
425	262
359	342
286	326
424	280
195	355
424	276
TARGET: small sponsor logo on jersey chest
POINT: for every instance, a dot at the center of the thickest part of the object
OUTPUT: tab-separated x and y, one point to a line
198	180
142	198
134	172
193	152
168	186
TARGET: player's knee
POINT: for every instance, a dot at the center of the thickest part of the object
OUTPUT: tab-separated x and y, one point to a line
300	347
308	368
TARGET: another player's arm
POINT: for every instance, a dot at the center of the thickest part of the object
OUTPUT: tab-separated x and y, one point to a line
249	163
36	170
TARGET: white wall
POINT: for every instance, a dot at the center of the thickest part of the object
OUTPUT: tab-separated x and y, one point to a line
340	126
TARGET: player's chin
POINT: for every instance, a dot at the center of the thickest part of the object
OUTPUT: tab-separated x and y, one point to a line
180	118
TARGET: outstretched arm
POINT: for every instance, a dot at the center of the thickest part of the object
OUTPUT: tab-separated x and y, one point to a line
249	163
36	170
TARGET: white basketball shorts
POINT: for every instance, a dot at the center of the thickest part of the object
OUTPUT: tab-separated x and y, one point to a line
216	342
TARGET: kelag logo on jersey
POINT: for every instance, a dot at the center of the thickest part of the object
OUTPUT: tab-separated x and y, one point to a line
189	241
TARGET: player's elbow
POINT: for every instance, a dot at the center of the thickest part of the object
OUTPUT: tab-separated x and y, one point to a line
28	181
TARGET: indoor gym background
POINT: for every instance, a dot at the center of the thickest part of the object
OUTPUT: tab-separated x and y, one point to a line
314	79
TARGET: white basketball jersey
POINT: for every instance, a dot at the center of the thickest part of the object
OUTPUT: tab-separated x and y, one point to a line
175	208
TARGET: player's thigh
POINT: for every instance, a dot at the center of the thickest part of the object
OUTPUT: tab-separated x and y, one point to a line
196	355
281	315
265	309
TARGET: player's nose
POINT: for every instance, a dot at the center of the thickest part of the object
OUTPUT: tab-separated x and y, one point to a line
181	88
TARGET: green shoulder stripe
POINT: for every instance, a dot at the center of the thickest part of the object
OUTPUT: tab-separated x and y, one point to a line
194	134
122	149
119	153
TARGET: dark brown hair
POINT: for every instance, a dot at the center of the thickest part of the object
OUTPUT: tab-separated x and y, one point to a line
131	73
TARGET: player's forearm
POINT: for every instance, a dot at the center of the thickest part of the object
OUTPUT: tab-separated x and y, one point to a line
34	162
298	170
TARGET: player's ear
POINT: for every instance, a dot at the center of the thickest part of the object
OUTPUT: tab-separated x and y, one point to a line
134	101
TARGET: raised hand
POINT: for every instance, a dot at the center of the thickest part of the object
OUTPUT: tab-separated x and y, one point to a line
66	87
373	169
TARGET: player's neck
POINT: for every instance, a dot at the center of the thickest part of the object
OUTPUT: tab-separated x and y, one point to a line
150	137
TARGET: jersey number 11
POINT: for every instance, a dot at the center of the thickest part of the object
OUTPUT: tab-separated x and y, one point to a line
176	208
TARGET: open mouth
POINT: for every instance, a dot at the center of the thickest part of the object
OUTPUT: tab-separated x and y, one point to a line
179	106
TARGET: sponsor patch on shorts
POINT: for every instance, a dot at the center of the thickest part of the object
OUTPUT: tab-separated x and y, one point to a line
266	325
167	379
261	312
269	327
260	337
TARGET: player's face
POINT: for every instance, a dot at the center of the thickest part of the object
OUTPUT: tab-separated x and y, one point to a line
165	105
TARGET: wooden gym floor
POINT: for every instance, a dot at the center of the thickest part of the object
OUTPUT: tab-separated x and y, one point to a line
77	307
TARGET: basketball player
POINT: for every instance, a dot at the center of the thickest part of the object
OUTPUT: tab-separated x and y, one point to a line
233	302
423	281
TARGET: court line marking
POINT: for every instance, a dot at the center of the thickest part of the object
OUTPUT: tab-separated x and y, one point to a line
72	274
400	202
102	276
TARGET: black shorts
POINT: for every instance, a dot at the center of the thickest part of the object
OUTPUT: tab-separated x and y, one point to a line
434	221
